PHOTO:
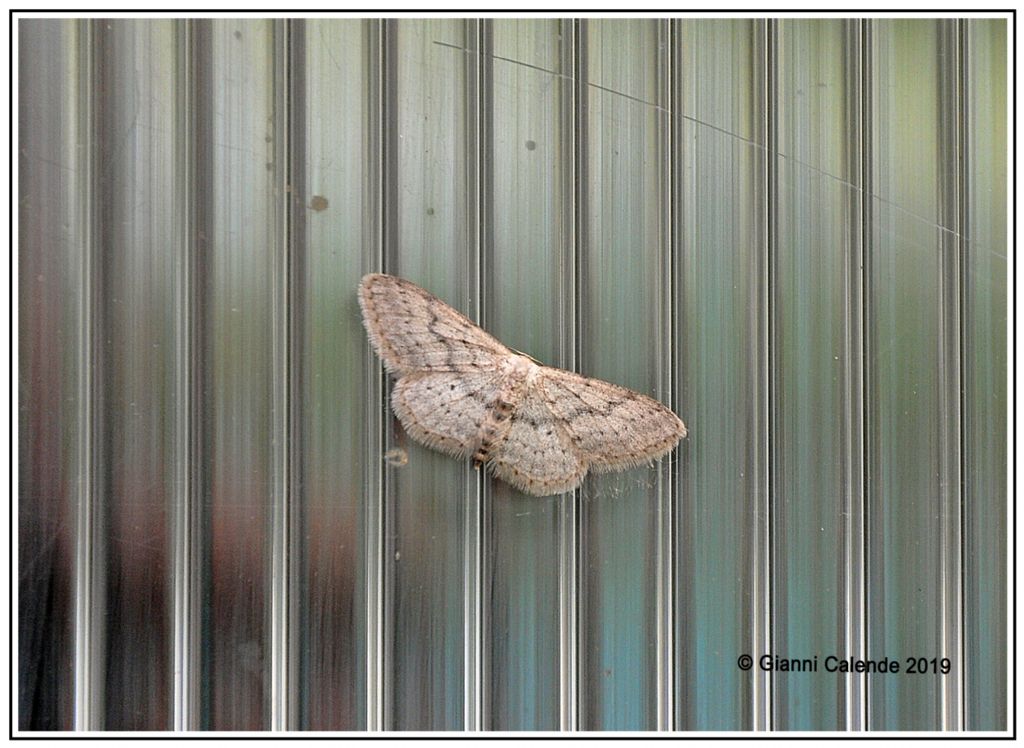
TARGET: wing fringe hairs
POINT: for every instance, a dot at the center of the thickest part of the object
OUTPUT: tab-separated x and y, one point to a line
462	392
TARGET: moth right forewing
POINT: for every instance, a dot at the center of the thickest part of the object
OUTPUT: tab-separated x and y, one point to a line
412	330
612	426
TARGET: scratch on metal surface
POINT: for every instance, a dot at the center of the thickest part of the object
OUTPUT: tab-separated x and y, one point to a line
327	48
731	134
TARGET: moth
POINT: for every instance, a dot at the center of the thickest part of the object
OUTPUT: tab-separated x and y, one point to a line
462	392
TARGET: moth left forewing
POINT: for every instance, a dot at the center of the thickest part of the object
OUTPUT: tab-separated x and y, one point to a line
413	330
614	427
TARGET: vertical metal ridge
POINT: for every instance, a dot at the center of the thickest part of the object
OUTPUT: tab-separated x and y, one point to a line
279	409
866	218
963	226
203	193
764	47
678	347
282	590
187	499
770	274
581	242
485	143
379	154
572	116
771	152
853	580
88	665
478	81
288	318
666	63
295	256
951	64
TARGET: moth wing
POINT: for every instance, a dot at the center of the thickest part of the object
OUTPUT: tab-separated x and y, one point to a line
613	427
444	410
412	330
536	455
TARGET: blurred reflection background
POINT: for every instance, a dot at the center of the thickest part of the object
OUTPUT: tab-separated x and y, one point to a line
791	231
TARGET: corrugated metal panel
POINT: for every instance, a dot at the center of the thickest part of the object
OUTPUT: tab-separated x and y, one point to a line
791	231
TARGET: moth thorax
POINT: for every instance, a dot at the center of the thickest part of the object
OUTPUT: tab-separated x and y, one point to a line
518	366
